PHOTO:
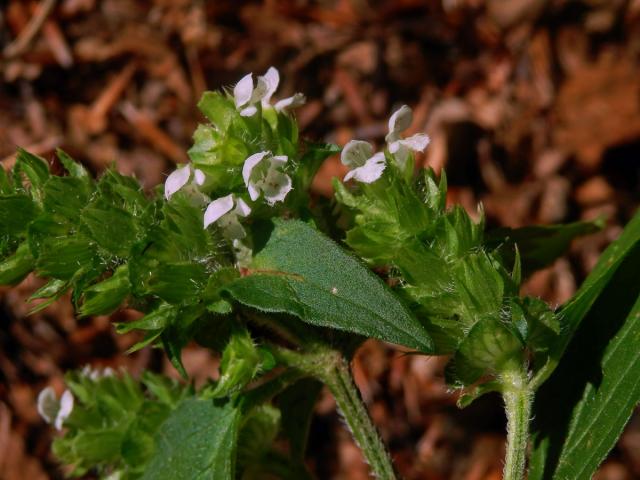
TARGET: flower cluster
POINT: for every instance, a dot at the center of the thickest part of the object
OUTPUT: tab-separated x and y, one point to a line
263	172
263	176
247	95
367	167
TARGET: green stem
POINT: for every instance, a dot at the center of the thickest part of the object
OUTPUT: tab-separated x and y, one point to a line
331	368
517	396
349	401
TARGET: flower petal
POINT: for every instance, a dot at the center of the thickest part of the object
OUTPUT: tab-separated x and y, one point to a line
249	111
294	101
401	119
401	154
278	161
176	180
217	209
417	142
249	165
355	153
242	208
48	404
66	407
276	187
272	79
262	87
370	171
243	90
199	176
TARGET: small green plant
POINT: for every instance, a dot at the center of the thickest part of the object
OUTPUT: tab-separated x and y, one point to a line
234	254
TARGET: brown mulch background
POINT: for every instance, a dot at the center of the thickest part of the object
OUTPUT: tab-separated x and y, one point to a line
533	107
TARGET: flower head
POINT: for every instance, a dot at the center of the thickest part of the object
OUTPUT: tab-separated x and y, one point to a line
262	173
399	122
365	166
52	410
225	211
247	95
180	177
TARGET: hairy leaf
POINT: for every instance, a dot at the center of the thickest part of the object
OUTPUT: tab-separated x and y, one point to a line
197	442
302	272
16	211
17	266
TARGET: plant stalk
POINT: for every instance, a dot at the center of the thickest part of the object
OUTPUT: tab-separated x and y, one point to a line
340	382
331	368
517	395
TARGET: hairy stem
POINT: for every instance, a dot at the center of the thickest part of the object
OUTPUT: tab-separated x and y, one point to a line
348	398
517	396
331	368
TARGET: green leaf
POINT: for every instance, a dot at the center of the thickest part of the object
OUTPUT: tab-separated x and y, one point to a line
74	168
259	430
52	291
241	361
539	245
112	228
17	266
219	109
158	319
106	296
597	380
5	183
65	196
301	272
16	212
34	167
63	257
197	442
574	311
488	347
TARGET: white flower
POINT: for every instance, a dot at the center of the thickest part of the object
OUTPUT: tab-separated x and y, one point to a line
52	410
246	95
225	211
272	80
180	178
399	122
262	172
365	166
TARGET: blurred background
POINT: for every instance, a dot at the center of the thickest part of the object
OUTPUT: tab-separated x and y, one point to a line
533	107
